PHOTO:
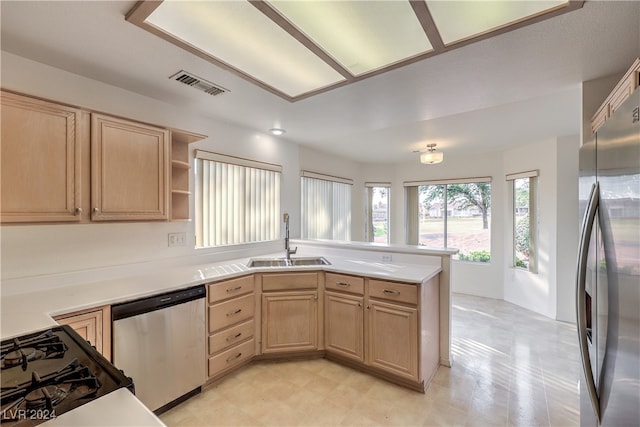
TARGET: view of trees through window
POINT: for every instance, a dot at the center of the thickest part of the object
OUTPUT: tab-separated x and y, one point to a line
379	199
521	223
456	216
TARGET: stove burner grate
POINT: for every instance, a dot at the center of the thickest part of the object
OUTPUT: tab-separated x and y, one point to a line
72	382
46	397
19	352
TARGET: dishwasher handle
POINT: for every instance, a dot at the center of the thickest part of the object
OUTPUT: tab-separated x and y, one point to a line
156	302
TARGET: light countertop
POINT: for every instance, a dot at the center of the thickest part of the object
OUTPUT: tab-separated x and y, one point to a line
27	312
23	313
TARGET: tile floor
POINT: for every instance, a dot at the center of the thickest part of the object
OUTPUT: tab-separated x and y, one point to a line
511	367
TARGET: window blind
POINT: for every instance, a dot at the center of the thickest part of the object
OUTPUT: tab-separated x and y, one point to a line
326	207
235	202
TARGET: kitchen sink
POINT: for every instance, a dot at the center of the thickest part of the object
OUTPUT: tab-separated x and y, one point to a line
283	262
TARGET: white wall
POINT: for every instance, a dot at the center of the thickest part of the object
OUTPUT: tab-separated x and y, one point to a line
538	291
568	222
35	250
470	278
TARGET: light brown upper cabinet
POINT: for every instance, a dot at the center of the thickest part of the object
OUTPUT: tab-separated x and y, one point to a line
41	160
129	170
61	163
620	93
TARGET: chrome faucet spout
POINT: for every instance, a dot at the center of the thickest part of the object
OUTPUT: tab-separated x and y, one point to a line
287	249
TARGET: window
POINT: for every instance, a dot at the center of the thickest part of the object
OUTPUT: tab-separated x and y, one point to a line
326	207
237	200
377	212
522	187
451	214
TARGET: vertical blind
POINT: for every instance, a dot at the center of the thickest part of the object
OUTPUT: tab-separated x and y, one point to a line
326	207
237	200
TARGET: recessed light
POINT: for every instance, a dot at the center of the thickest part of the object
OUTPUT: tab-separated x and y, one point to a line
277	131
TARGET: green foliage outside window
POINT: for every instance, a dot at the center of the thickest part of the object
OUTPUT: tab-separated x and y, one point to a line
476	256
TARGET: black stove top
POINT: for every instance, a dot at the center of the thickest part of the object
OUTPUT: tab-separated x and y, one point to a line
47	373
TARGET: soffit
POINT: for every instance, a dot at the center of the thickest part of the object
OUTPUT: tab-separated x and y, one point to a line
296	49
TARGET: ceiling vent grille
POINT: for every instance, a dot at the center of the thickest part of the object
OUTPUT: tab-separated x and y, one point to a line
198	83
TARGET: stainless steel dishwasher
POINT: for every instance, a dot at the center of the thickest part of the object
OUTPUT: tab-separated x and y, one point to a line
160	342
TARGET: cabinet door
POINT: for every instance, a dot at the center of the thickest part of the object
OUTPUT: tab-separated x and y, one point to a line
93	325
393	338
289	321
129	170
41	160
344	325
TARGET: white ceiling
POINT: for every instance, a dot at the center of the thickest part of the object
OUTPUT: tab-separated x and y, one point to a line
513	89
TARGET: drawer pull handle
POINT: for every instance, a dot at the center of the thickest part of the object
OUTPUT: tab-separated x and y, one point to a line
343	284
234	357
233	337
391	292
237	288
233	313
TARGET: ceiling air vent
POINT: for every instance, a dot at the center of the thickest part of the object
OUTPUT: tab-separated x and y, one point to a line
198	83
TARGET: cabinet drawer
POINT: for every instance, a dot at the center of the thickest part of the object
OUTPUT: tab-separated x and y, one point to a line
393	291
230	358
230	312
230	288
231	336
343	282
288	281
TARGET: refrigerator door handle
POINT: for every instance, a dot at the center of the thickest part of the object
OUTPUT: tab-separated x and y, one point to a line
581	310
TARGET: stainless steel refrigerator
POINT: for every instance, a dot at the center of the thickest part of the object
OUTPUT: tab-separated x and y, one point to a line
608	288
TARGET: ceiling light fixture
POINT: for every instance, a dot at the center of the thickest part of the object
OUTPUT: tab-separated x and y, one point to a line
431	156
277	131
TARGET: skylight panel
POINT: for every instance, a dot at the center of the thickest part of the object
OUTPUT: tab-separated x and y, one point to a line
460	20
239	35
361	35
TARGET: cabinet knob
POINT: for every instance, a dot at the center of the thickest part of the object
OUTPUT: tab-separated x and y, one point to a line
96	210
78	211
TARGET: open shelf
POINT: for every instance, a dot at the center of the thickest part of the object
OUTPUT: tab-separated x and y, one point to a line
180	173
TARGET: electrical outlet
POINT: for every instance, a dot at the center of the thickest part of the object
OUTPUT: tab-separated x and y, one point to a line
386	257
177	239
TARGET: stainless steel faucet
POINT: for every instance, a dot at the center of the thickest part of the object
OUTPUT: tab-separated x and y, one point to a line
288	251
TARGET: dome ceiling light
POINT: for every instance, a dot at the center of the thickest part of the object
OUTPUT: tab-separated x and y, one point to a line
431	156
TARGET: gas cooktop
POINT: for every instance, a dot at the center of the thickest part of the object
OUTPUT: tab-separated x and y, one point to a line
49	372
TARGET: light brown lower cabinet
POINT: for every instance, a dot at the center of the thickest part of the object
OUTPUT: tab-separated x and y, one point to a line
393	339
230	325
344	325
390	329
289	321
94	325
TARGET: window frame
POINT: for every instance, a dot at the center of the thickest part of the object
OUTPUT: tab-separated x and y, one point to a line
532	175
412	202
369	233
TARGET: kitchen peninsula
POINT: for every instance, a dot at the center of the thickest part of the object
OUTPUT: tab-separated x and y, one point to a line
28	306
